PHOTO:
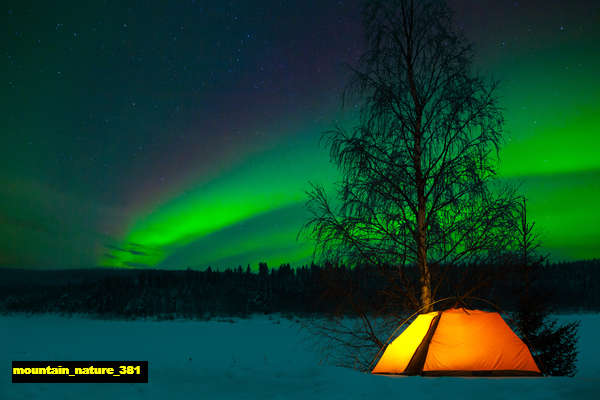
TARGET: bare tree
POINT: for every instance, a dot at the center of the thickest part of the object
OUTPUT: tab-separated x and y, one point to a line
418	172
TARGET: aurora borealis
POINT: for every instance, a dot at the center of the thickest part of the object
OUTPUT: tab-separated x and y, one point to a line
184	134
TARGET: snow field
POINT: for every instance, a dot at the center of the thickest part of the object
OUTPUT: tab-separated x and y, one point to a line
264	357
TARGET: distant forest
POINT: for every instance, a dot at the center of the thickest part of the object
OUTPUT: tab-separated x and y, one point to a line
118	293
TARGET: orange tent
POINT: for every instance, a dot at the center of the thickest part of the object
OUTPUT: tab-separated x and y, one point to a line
457	342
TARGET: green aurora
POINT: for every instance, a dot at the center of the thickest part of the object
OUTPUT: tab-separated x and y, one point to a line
143	194
550	153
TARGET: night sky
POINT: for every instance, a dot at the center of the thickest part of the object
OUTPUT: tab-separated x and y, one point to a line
184	133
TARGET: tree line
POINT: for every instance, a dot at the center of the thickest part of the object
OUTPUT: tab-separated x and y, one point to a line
314	289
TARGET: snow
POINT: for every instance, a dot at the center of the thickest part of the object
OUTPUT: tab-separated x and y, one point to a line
264	357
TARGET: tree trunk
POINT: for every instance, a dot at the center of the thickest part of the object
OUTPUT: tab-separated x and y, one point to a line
421	234
425	279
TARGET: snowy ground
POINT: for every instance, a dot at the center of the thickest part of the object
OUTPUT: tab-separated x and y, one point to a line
260	358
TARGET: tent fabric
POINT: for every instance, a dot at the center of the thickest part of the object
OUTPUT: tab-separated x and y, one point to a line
460	342
398	354
417	361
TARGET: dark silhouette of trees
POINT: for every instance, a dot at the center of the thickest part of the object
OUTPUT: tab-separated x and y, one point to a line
554	346
302	291
418	183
